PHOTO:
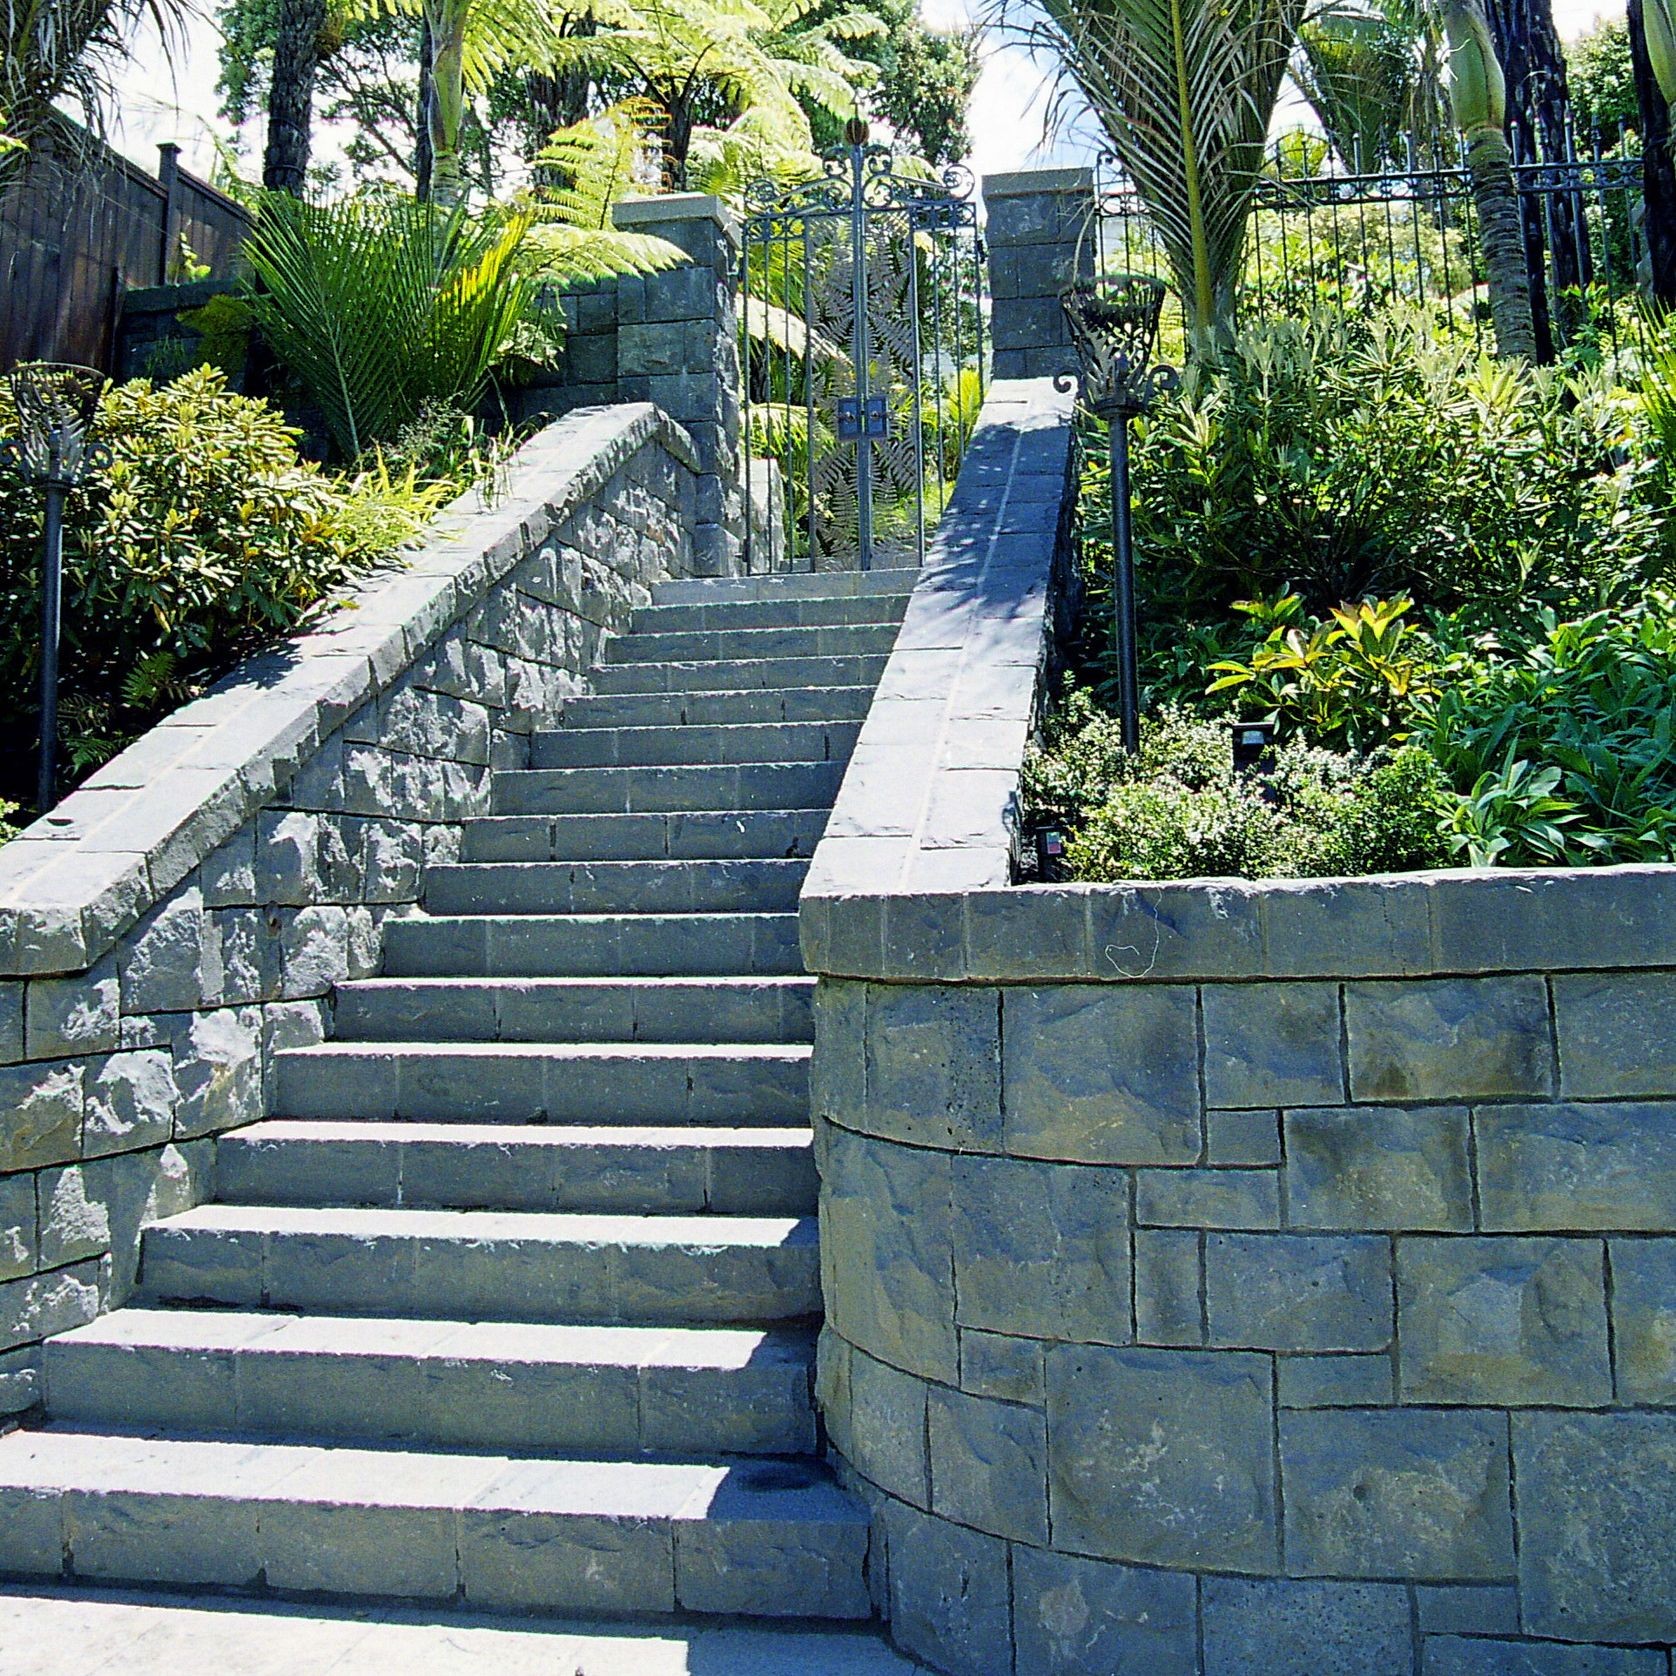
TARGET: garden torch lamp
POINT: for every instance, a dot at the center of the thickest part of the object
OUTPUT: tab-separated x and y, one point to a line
1114	327
56	404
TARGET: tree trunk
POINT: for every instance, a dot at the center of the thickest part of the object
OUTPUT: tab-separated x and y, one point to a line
1539	129
291	97
423	158
447	27
1499	238
1658	169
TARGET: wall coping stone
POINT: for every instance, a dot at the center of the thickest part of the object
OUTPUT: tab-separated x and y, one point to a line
630	213
1027	183
80	876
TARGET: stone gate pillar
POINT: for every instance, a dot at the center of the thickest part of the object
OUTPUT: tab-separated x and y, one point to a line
1040	235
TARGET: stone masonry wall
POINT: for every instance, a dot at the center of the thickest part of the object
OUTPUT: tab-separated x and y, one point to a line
187	912
1040	235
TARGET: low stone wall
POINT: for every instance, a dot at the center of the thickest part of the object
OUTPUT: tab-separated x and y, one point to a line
1229	1279
187	911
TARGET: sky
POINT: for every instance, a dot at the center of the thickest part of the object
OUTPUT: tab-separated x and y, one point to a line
1008	105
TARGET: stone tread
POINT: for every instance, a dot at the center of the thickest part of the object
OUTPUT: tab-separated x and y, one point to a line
679	788
770	613
829	584
743	1172
812	640
745	835
748	706
491	1265
716	675
518	1082
474	1384
631	1009
585	744
495	1530
582	887
592	945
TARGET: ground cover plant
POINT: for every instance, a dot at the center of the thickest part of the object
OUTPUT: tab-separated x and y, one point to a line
1445	580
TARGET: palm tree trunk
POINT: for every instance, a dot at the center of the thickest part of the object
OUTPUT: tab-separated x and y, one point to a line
446	22
1658	167
1501	241
422	155
291	97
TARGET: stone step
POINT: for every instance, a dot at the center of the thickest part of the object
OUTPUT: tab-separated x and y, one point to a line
726	787
614	887
786	585
745	835
753	1537
731	645
590	747
733	1084
592	945
722	675
487	1265
730	1009
485	1385
782	612
704	709
162	1633
462	1166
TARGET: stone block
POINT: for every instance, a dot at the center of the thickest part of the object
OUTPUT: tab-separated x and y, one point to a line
1207	1198
250	954
1595	1499
130	1102
885	1428
1163	1457
314	951
1174	931
42	1104
994	1365
99	1208
1272	1044
1467	1608
1378	1167
11	1023
1072	1617
949	1593
79	1014
1449	1039
837	1073
1169	1281
933	1065
227	876
1575	1167
1503	1321
1459	1655
1398	1493
1287	1627
18	1242
1644	1319
1242	1137
988	1464
1615	1034
1101	1074
287	854
887	1253
1351	927
1298	1291
54	1302
218	1069
20	1380
1042	1249
171	964
1335	1381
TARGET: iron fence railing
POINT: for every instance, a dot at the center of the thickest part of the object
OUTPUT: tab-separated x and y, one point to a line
1352	239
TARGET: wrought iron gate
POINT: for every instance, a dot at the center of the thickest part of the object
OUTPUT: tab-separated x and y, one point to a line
863	356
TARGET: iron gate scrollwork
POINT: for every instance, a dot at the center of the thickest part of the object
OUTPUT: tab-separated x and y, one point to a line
863	356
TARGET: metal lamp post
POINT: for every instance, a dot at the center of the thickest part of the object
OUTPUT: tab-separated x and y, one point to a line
1114	327
56	404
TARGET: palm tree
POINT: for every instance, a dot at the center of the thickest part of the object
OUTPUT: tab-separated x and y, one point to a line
291	94
1357	71
1184	90
1479	96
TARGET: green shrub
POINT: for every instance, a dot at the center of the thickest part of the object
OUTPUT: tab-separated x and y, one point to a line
204	538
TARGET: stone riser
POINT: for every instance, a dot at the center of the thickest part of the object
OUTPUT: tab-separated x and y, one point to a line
771	834
486	1266
726	1172
616	887
894	583
575	1010
725	676
604	746
669	790
439	1384
668	1083
778	613
480	1531
734	645
630	945
756	706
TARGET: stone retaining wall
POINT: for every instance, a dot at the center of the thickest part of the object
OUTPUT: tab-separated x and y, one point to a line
187	911
1228	1279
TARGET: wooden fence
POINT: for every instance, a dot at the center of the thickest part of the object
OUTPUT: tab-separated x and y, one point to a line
84	224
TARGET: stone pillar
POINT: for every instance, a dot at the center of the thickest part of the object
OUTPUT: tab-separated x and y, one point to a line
678	346
1040	232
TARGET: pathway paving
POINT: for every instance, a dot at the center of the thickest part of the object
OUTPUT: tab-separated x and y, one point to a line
512	1302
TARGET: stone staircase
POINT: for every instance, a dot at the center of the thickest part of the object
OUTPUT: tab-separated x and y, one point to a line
512	1302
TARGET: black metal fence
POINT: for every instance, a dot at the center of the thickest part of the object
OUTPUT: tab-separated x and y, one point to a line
1322	235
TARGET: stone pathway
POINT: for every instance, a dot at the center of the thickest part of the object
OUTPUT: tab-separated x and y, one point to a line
512	1302
114	1633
